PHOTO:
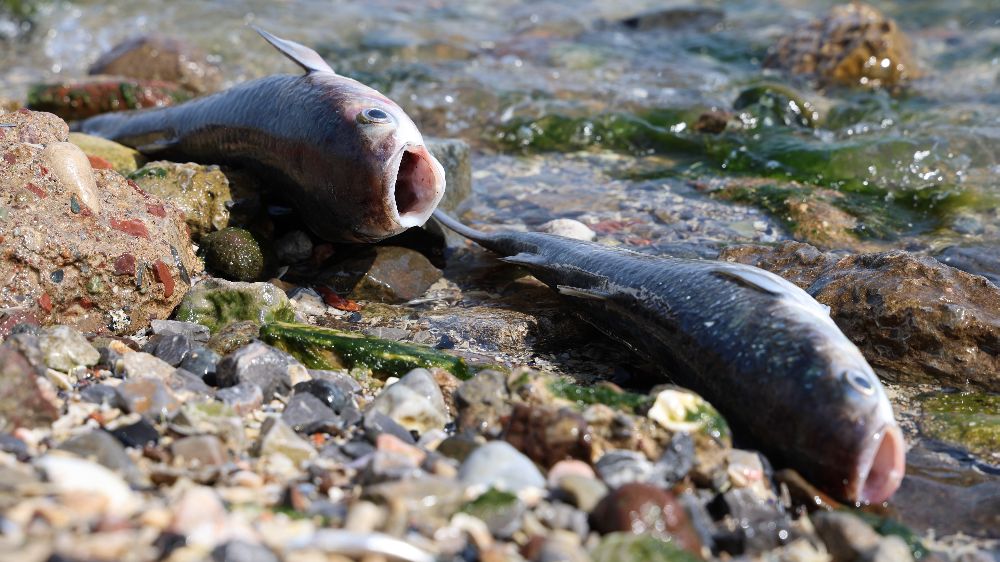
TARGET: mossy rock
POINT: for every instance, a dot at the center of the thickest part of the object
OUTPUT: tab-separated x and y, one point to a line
202	192
216	303
638	548
968	419
233	253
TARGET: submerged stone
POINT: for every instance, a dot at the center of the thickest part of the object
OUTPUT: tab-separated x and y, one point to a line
385	274
216	303
968	419
233	253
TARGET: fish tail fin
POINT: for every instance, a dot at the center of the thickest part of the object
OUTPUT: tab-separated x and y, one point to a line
308	59
506	243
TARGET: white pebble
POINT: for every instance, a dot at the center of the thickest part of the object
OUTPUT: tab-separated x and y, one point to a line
569	228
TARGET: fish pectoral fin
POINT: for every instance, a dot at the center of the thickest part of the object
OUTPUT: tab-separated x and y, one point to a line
590	294
308	59
752	277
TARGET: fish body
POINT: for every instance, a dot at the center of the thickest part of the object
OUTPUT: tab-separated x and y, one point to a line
350	159
761	350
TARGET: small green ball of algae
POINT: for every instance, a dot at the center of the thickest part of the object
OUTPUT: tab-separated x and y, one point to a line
233	253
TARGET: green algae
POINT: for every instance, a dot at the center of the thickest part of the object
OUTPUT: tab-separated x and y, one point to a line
587	395
217	303
967	419
491	504
642	548
327	348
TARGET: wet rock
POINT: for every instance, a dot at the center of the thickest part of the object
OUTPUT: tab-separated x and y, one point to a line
643	508
969	419
617	468
548	435
677	460
569	228
70	475
234	336
307	414
155	57
115	262
243	398
294	247
333	389
79	99
27	399
681	18
242	551
848	538
499	465
975	259
415	402
260	364
482	402
276	437
232	253
216	303
201	192
376	423
384	274
853	45
756	524
138	434
140	364
65	348
912	316
122	159
201	450
100	446
172	349
453	154
625	546
148	396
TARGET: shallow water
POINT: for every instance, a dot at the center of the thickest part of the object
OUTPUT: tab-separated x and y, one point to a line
574	116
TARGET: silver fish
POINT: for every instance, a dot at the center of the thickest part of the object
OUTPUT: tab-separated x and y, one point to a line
351	160
760	349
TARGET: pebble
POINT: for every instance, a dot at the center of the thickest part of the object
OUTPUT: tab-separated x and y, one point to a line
103	448
242	551
69	475
138	434
548	435
260	364
294	247
569	228
333	389
387	466
26	398
276	437
848	538
307	414
65	348
676	461
202	362
501	511
203	450
583	492
482	402
620	467
415	402
216	303
644	508
376	423
147	396
171	348
193	331
100	394
242	398
499	465
188	386
141	364
72	168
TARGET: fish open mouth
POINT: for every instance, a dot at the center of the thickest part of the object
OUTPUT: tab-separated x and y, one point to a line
418	187
886	467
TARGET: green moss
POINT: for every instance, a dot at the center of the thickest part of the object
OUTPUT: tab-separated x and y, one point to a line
587	395
490	503
638	548
148	172
216	303
968	419
327	348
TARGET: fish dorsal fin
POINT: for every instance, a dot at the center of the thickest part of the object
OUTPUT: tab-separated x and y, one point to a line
589	294
308	59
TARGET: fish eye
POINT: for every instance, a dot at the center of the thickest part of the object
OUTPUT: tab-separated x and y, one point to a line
373	115
859	381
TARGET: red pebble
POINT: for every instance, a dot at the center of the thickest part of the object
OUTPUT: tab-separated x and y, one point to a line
162	273
133	227
156	209
45	302
336	301
125	265
136	187
36	190
9	158
99	163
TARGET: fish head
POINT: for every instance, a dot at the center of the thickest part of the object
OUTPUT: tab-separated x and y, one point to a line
863	454
402	182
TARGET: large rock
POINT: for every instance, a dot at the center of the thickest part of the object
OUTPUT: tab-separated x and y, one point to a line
912	316
80	246
854	45
155	57
202	192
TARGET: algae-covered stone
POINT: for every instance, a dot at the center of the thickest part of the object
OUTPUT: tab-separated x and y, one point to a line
216	303
678	409
327	348
200	191
968	419
79	99
453	154
641	548
234	254
123	159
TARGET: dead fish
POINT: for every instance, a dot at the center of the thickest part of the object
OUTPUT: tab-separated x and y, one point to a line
760	349
350	159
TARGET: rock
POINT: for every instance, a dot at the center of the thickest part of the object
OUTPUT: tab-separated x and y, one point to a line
499	465
201	192
968	419
172	349
846	536
123	159
569	228
198	515
147	396
116	263
854	45
260	364
501	511
561	546
294	247
548	435
333	389
276	437
307	414
216	303
211	418
232	253
234	336
758	524
100	394
376	423
71	475
415	402
242	551
583	492
79	99
643	508
155	57
912	316
189	387
191	330
618	468
102	447
202	450
243	398
389	466
201	361
625	546
65	348
27	398
677	460
700	18
454	156
482	402
384	274
138	364
975	259
138	435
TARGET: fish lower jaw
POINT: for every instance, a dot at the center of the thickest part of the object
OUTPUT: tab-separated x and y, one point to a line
418	186
884	468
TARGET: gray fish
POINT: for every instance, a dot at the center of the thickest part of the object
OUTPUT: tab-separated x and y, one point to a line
761	350
351	160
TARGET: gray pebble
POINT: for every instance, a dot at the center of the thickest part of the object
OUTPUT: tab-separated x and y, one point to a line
415	402
260	364
499	465
171	348
196	332
623	467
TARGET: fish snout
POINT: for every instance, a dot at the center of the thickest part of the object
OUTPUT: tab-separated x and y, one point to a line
418	184
886	466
